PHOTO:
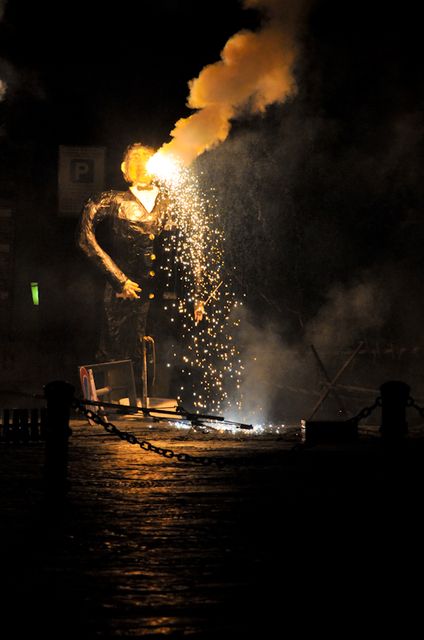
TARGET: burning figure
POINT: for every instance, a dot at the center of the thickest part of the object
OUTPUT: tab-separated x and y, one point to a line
137	217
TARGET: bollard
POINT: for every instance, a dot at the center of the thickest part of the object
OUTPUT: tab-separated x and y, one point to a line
394	398
43	423
33	429
24	425
15	426
59	396
6	425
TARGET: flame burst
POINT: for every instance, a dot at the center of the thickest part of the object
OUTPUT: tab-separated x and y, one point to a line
209	359
255	71
165	167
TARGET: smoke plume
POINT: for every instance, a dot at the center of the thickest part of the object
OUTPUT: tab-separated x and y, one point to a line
255	70
350	313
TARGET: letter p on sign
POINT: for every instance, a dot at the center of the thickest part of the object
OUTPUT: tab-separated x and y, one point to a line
82	170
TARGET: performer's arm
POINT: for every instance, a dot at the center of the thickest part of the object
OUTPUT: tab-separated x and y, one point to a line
96	210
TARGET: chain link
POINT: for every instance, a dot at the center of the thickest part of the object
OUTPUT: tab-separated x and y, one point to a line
411	403
145	444
366	411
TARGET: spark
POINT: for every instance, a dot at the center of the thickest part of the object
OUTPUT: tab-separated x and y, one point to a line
210	362
233	429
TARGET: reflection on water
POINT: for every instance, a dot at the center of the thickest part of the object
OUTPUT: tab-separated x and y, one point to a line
161	537
145	546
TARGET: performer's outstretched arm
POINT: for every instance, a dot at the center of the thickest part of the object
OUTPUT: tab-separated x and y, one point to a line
96	210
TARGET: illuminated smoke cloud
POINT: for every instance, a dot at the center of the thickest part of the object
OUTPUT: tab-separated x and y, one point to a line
255	70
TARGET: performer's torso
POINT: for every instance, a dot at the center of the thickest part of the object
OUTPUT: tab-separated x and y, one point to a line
133	233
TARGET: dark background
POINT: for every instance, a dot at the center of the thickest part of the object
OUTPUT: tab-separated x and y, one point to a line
320	197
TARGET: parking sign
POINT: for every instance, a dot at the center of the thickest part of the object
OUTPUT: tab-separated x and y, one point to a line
81	173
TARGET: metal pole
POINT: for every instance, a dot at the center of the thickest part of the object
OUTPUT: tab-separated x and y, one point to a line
394	398
333	382
342	409
59	396
144	381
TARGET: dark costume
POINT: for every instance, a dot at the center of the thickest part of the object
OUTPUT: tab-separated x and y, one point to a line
133	232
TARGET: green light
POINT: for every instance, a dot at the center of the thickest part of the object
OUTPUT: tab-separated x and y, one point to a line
34	292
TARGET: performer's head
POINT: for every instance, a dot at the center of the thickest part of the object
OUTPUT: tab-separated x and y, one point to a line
134	164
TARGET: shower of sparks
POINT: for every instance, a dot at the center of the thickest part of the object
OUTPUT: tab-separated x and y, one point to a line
257	430
207	354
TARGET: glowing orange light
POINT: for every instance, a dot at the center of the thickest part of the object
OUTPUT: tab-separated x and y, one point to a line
164	166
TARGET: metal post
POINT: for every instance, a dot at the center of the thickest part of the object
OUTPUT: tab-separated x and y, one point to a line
24	426
59	396
6	425
334	380
144	381
342	410
34	429
394	398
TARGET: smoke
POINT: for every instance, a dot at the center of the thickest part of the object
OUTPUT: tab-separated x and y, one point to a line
320	200
268	362
351	312
282	379
255	71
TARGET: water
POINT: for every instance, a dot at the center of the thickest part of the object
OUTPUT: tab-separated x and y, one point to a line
147	547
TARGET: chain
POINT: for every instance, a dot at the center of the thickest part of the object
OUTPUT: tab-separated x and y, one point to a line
145	444
366	411
411	403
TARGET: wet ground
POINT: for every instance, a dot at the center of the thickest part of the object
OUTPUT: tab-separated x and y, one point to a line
278	541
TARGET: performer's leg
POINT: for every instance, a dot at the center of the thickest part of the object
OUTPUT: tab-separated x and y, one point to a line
158	326
140	331
118	338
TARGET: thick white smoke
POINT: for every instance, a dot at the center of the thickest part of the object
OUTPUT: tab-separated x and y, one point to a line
255	70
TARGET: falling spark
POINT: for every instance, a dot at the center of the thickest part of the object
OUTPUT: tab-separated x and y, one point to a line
210	363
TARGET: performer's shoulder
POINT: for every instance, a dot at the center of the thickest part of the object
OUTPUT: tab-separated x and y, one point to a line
106	198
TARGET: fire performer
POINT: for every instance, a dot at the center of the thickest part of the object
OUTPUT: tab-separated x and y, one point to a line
137	216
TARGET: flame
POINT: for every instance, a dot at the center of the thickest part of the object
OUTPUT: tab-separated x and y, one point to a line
164	166
255	70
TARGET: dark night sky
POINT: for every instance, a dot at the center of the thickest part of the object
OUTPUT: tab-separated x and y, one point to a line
84	71
325	191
